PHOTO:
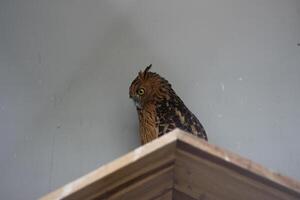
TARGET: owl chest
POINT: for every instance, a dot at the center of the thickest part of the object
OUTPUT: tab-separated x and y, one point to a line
148	124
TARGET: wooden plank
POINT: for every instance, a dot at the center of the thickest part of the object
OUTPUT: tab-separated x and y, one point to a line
167	196
119	172
177	195
199	177
244	167
154	186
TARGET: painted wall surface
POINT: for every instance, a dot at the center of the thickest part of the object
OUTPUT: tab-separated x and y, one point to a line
65	69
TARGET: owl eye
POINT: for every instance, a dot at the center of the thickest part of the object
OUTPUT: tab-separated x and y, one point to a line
141	91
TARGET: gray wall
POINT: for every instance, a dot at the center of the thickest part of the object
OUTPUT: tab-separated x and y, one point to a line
65	69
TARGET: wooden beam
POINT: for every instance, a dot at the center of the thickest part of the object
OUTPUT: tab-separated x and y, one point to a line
235	163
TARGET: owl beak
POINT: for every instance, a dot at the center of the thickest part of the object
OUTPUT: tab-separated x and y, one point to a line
137	104
136	101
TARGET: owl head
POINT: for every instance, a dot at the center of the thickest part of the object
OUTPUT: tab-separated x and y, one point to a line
149	88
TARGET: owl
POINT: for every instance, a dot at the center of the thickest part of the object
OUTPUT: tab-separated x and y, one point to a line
159	108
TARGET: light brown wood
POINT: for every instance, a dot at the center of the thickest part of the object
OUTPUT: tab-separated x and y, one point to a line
236	162
216	182
180	166
152	187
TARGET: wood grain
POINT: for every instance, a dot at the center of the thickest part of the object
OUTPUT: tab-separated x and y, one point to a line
238	164
154	186
177	195
201	178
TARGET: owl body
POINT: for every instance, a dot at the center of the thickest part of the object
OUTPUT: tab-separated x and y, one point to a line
159	108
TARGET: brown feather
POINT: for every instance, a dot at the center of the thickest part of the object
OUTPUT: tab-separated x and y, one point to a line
148	130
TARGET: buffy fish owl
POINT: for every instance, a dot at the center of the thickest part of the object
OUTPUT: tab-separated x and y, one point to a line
159	108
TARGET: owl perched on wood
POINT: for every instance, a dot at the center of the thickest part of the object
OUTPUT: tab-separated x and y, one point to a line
159	109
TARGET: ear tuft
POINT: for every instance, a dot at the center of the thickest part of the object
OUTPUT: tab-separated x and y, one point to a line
140	75
146	70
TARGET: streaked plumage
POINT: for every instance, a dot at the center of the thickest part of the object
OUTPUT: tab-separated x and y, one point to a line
159	109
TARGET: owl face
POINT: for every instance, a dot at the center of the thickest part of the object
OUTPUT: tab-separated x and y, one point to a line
148	87
140	89
137	95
